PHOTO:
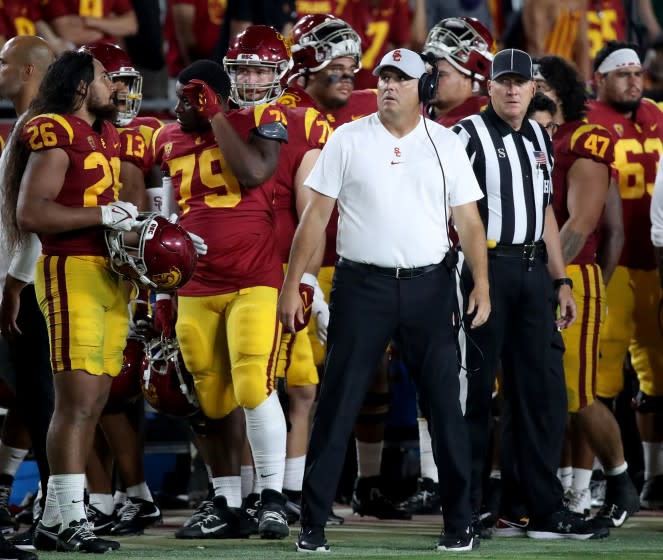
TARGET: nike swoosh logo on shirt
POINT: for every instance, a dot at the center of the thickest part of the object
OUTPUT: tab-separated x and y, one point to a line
396	162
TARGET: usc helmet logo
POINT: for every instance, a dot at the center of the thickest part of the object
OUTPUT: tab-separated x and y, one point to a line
287	43
168	280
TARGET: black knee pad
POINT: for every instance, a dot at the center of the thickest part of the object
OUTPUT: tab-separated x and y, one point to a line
646	404
607	401
198	423
375	408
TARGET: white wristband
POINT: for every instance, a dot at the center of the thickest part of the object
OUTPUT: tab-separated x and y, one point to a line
309	279
161	296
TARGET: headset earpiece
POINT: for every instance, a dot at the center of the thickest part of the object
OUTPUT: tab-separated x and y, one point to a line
428	81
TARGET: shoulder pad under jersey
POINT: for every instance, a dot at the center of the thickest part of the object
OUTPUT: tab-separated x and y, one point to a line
273	131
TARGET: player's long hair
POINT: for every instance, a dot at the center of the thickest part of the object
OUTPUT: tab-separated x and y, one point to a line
63	91
563	77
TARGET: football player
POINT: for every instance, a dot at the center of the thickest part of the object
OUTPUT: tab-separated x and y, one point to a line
227	325
120	424
257	62
581	179
66	190
635	124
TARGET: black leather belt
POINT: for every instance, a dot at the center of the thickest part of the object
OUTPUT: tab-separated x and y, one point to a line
398	273
525	251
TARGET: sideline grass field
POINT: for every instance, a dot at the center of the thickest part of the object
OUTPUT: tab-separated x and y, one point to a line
641	538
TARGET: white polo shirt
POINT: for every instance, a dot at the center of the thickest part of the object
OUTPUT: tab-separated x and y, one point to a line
656	208
391	192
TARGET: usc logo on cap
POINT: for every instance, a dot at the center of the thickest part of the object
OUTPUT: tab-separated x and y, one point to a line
397	55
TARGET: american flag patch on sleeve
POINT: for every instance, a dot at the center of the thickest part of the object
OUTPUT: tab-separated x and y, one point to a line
539	156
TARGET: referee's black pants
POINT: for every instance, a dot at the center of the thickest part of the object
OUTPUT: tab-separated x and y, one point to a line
367	310
520	332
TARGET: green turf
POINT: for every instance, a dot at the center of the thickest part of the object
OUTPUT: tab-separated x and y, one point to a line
641	538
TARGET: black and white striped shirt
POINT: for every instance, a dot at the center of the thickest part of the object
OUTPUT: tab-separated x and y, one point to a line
514	170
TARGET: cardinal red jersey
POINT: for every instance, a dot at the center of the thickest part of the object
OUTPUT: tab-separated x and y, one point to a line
638	148
5	131
92	178
20	16
207	21
307	130
86	8
382	25
333	7
572	141
89	8
606	21
360	104
135	140
471	106
237	223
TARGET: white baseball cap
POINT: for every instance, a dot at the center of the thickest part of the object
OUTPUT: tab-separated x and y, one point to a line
407	61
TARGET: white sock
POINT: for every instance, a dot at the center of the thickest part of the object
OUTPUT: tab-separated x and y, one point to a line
140	491
230	487
652	451
369	458
248	478
496	473
428	466
267	432
617	470
11	459
103	502
36	508
597	464
51	515
119	497
565	475
69	491
294	473
581	479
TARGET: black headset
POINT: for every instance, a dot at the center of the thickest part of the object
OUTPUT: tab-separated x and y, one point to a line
428	80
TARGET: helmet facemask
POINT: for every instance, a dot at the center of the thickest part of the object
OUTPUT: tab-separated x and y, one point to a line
249	94
166	384
330	39
128	100
158	254
455	40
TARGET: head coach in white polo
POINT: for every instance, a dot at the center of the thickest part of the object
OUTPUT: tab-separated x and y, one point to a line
396	179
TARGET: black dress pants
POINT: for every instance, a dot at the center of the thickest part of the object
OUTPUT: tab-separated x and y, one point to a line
367	310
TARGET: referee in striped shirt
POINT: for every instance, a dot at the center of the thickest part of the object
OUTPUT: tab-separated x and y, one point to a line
512	159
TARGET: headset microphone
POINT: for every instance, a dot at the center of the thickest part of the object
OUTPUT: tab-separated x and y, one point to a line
428	80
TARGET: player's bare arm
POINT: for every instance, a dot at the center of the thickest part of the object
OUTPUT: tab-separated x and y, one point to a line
37	210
